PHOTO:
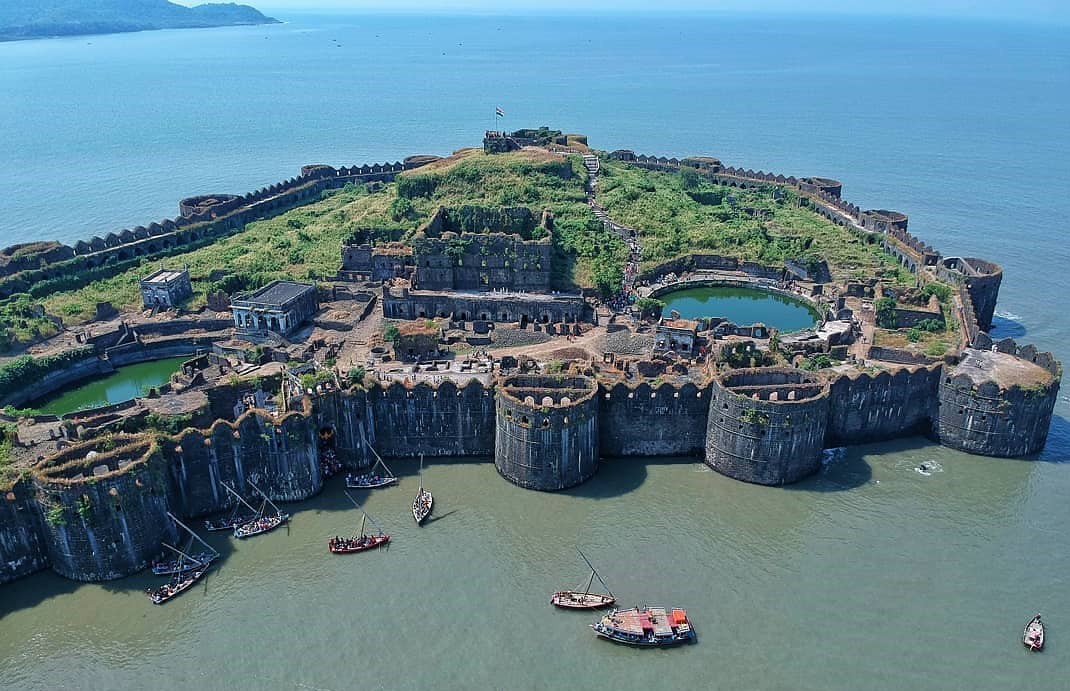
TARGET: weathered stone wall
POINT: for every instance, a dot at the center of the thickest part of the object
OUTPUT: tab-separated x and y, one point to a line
866	407
446	420
110	525
767	426
547	431
547	309
22	547
482	262
648	421
987	420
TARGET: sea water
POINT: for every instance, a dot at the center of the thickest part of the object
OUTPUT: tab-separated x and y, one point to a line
870	575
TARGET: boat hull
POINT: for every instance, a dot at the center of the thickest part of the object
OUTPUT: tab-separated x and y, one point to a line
377	541
250	530
570	599
648	627
422	509
227	523
1033	635
163	595
171	568
371	485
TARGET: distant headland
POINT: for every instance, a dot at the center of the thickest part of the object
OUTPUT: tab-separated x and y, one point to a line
26	19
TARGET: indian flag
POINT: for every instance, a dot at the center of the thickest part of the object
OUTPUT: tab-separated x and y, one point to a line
499	112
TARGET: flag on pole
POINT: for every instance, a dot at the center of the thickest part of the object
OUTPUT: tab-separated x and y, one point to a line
499	112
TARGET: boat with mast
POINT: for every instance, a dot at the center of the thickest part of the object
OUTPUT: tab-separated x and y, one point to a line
646	627
1033	636
361	541
173	566
181	581
372	479
263	523
421	505
236	517
585	599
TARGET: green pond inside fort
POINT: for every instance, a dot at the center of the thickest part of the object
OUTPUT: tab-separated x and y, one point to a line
741	306
121	385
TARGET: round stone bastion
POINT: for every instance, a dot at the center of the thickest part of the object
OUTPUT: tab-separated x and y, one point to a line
546	431
767	426
996	404
104	505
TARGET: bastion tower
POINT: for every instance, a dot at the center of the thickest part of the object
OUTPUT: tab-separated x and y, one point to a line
546	430
767	426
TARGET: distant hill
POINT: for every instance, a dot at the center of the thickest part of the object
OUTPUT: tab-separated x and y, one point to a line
42	18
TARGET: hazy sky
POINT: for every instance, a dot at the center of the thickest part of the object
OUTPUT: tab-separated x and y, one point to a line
1033	10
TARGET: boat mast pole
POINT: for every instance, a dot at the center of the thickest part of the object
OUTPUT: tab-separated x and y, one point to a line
378	458
175	549
195	535
362	521
265	496
240	498
595	572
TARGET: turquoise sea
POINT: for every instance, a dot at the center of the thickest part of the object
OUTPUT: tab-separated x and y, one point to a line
870	576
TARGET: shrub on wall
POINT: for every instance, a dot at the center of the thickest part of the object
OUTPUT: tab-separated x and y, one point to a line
24	371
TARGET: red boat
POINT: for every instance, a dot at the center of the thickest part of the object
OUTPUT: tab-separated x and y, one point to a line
359	542
349	545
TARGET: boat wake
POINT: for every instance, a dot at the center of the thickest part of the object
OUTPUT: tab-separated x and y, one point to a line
1008	315
927	468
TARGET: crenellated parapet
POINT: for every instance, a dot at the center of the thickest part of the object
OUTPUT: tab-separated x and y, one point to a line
998	402
547	430
652	420
767	426
104	507
978	277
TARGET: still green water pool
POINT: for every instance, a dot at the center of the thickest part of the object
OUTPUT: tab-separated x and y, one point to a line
121	385
741	306
868	576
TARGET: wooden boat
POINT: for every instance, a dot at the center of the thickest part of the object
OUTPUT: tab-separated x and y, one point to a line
184	562
421	505
236	517
167	568
647	627
360	542
1033	636
181	581
584	599
372	479
179	584
262	523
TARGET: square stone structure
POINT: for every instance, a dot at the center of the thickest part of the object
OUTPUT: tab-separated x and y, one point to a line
675	334
165	288
280	306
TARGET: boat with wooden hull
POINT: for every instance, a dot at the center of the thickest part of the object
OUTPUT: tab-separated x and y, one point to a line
178	585
351	545
228	523
584	599
421	506
374	478
169	568
646	627
369	481
1033	636
575	599
259	526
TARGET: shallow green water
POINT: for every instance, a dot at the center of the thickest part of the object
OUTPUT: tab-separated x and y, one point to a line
742	306
868	576
121	385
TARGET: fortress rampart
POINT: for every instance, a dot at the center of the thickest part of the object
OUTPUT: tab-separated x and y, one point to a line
767	426
546	435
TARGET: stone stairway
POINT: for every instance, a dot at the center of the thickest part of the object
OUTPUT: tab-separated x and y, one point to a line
628	235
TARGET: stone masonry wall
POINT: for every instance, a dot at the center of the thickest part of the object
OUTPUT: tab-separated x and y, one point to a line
22	546
649	421
871	407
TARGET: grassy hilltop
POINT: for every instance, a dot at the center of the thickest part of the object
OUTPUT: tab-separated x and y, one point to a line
677	214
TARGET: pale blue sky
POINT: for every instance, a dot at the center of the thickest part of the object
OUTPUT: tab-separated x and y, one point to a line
1030	10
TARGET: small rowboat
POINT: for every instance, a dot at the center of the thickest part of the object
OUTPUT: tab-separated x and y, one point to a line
369	481
264	524
178	585
349	545
1033	636
168	568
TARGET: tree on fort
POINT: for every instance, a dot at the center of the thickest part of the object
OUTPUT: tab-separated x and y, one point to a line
885	310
